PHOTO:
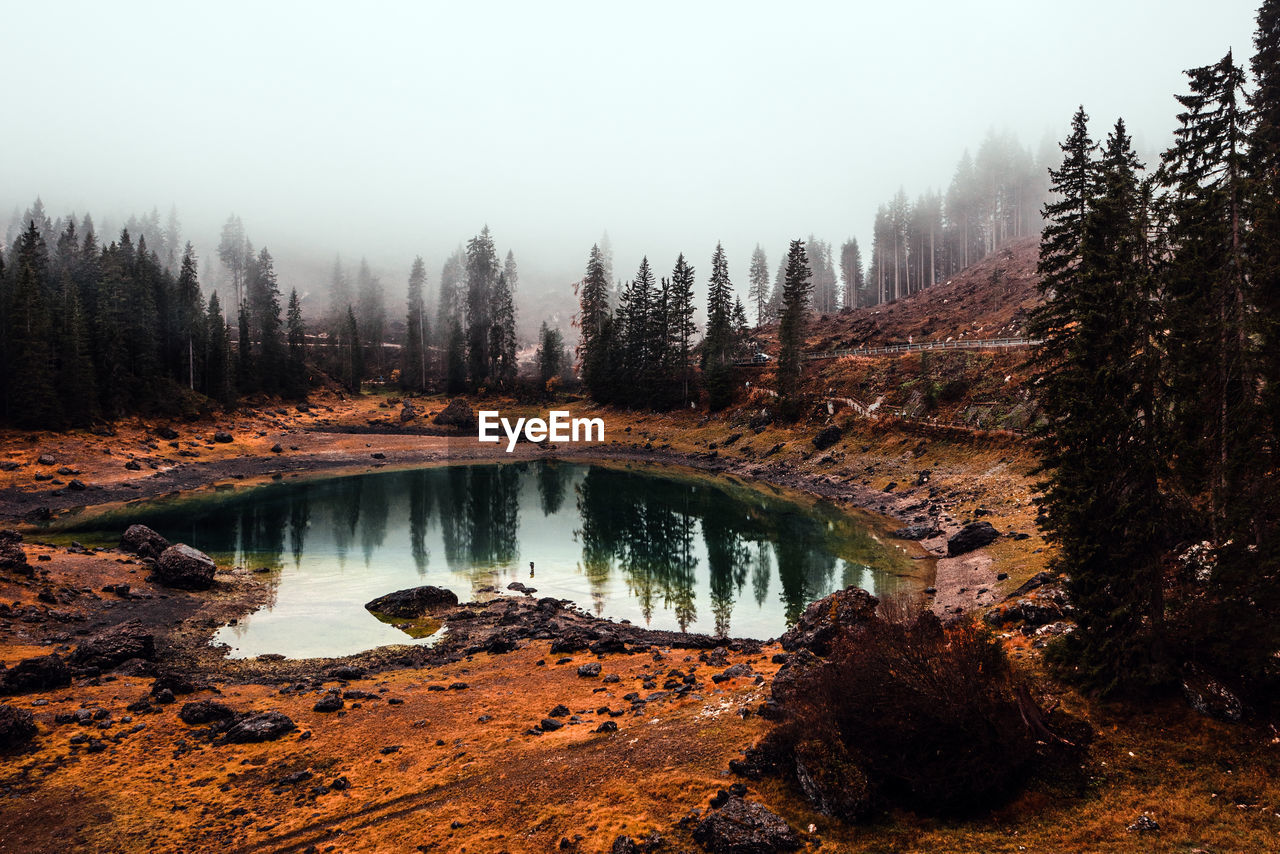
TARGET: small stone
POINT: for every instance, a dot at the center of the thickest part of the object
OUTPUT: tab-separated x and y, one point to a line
589	670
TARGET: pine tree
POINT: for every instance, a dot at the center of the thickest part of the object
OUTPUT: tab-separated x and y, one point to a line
792	325
509	270
353	345
758	289
682	326
482	275
455	357
717	347
851	273
296	373
550	354
266	327
1101	448
593	318
502	334
32	402
190	315
233	251
218	373
413	368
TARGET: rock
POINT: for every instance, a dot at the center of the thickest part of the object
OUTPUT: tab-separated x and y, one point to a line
223	437
184	567
499	644
265	726
819	623
522	588
12	556
456	414
1210	697
133	465
46	460
916	532
1038	611
277	448
35	674
607	726
346	673
1038	580
205	712
589	670
413	602
408	413
827	437
1144	824
831	781
120	643
330	702
745	827
76	485
166	432
550	724
560	711
17	727
972	536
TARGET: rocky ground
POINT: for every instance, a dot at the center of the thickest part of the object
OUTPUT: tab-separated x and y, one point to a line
536	727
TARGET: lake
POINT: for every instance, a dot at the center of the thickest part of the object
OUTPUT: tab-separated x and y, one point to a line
663	548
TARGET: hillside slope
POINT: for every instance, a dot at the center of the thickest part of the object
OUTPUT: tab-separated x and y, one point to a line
989	299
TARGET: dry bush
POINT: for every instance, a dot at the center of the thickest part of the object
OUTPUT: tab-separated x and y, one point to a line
914	714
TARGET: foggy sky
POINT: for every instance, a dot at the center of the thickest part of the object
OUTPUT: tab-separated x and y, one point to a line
389	130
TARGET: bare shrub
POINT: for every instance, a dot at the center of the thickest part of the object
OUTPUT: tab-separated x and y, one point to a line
909	712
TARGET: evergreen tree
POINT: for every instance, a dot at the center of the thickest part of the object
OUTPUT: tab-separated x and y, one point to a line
371	313
509	270
550	354
851	273
502	334
413	369
482	275
190	315
455	357
340	294
234	252
266	328
717	347
682	326
353	346
792	325
218	373
593	318
758	289
32	401
1101	447
296	373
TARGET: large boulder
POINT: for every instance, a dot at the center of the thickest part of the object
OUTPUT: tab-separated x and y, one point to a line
265	726
35	674
17	727
745	827
827	437
831	781
116	645
456	414
184	567
975	535
205	712
413	602
142	541
916	532
822	620
12	557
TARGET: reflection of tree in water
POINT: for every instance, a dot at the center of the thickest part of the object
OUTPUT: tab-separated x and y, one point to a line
647	528
299	519
480	515
375	508
552	483
420	499
728	559
805	571
761	571
342	497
